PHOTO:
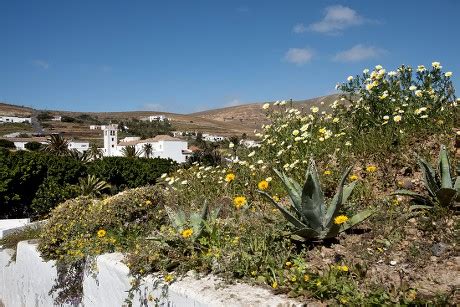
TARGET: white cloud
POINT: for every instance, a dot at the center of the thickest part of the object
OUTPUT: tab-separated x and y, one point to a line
358	53
41	64
336	19
298	56
300	28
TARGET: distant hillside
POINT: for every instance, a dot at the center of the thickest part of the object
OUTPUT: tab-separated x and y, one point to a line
15	110
252	116
225	121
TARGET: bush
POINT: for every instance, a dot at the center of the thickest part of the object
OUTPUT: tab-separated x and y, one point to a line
7	144
26	175
124	172
33	146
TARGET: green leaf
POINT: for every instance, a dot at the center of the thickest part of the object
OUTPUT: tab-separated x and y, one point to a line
339	198
287	215
177	218
293	189
306	233
356	219
410	194
417	207
457	184
312	208
429	176
445	196
444	168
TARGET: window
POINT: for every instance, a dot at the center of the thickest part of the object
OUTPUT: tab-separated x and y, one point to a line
113	139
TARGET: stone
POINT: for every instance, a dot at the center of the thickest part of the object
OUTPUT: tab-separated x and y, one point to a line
438	249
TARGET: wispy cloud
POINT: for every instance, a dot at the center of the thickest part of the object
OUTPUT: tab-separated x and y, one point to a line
41	64
336	19
233	103
299	56
358	53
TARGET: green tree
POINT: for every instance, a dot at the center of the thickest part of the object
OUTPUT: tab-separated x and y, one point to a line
130	151
7	144
57	145
148	150
33	146
92	186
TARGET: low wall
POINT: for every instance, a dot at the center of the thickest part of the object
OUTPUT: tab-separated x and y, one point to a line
27	282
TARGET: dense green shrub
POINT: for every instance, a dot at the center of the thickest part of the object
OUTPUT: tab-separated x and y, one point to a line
32	183
124	172
26	176
33	146
7	144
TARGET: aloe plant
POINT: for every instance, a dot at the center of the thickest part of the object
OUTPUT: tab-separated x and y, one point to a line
309	215
195	221
440	186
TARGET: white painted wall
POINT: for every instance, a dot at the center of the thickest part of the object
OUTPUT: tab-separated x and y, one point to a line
27	282
80	146
15	119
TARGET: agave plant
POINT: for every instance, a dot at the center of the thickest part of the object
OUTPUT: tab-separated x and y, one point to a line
440	186
195	222
309	215
92	186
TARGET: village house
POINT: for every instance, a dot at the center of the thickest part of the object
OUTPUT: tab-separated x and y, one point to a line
20	143
163	146
213	138
14	119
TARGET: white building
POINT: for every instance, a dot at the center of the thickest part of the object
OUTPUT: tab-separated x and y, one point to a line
163	146
79	146
56	118
212	138
14	119
155	118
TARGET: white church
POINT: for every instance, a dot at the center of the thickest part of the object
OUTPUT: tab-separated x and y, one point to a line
163	146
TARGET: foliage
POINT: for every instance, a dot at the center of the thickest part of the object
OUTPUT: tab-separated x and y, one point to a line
92	186
441	188
130	151
7	144
44	116
123	173
11	240
311	218
27	177
147	149
33	146
57	145
146	129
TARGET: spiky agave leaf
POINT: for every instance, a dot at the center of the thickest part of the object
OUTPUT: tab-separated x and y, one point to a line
335	229
340	197
312	206
457	184
177	218
444	168
294	190
287	215
429	177
197	220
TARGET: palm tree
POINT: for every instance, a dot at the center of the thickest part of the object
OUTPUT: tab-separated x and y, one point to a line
148	150
57	145
84	156
92	186
95	152
130	151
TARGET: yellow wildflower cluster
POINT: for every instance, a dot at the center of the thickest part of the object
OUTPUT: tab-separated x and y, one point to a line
239	201
340	219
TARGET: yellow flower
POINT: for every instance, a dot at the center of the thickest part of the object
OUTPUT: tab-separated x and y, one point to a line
306	277
263	185
293	278
371	168
343	300
276	198
328	172
340	219
230	177
318	283
288	264
239	201
254	273
148	202
274	285
169	278
101	233
342	268
187	233
397	118
354	177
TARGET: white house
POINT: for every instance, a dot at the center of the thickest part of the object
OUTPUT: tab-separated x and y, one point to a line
56	118
213	138
155	118
79	146
15	119
163	146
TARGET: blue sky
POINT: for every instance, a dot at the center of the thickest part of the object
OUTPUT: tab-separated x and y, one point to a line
187	56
